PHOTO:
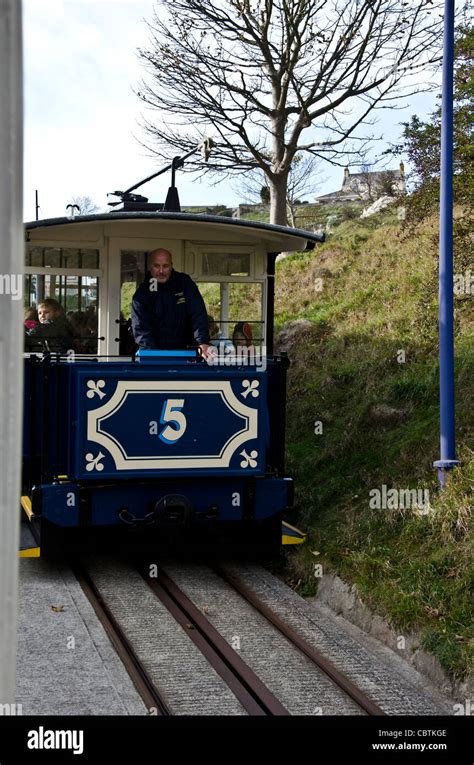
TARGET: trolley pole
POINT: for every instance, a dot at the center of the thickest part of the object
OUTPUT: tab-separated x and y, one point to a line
446	303
11	326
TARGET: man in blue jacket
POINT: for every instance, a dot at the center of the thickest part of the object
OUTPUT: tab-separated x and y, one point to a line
168	311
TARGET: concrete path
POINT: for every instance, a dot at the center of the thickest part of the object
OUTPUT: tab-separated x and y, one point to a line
66	664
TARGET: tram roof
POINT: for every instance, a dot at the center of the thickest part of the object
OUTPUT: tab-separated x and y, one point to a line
188	226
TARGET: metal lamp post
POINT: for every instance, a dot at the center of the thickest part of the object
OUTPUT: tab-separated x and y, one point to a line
446	331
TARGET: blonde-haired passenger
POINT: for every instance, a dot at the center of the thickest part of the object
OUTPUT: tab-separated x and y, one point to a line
53	332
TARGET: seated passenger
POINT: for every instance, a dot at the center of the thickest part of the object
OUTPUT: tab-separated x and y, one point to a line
84	342
223	344
127	344
91	318
242	335
31	318
53	332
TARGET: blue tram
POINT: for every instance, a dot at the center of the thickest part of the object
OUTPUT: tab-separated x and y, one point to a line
145	443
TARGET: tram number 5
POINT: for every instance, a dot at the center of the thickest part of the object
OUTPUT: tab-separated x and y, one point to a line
171	413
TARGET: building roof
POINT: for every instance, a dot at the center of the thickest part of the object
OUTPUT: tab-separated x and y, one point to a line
339	196
373	174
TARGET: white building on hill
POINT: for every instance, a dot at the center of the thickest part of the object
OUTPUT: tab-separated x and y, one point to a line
367	186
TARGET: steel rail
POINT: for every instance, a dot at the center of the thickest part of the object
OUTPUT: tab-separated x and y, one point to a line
145	687
252	693
338	677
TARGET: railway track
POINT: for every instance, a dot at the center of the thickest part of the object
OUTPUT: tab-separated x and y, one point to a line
150	694
252	693
339	678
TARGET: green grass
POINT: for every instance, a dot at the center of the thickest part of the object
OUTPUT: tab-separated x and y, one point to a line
379	298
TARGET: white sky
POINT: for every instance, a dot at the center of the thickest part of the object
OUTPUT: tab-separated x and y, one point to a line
82	117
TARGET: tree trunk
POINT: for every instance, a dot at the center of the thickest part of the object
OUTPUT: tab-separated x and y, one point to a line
291	213
278	199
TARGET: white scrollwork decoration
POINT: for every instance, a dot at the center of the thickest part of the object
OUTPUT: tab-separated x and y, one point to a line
94	463
249	460
129	456
251	387
94	387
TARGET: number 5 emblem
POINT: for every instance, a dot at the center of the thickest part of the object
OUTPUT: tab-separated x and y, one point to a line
171	412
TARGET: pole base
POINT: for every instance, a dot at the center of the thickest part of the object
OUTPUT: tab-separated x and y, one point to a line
443	466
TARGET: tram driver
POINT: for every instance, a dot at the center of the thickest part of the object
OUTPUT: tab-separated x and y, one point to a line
168	311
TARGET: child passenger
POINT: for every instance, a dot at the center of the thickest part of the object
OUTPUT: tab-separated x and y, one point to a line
53	329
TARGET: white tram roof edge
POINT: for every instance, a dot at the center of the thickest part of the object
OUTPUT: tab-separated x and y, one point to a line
172	225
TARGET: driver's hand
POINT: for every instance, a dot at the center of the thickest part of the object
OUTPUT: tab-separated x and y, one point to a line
208	351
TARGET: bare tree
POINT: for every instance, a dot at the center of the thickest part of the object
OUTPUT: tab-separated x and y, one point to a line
272	78
303	179
85	204
368	188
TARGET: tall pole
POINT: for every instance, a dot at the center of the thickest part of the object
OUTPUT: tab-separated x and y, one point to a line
446	330
11	332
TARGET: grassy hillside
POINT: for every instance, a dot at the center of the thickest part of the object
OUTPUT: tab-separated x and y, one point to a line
367	369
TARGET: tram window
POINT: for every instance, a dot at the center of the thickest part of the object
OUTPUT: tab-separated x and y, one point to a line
70	258
132	274
245	301
79	293
211	293
52	258
78	297
62	257
35	256
30	291
245	305
225	264
242	303
90	259
65	278
74	293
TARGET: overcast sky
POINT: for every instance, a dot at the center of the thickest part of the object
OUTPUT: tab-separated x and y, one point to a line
82	116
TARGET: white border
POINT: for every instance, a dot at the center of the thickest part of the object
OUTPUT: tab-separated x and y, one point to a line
96	416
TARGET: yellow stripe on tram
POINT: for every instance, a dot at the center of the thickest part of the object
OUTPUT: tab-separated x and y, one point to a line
286	540
294	537
26	505
31	552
